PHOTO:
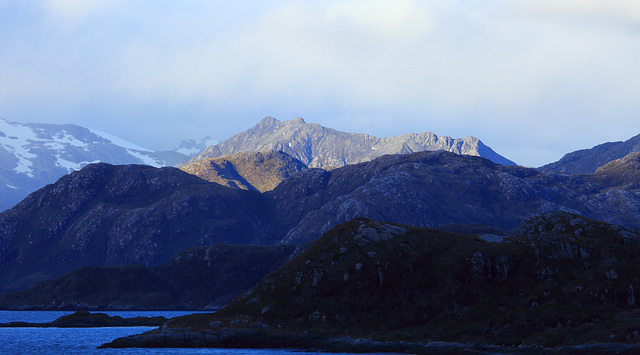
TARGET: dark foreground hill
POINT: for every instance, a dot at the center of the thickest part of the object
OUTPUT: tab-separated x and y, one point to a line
112	215
558	279
132	214
198	278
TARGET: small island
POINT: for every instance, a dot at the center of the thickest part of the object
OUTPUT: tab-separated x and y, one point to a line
84	319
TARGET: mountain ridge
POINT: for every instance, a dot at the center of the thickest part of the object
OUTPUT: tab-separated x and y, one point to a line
587	161
107	215
321	147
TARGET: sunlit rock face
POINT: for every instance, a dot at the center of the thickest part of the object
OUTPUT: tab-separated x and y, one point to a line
321	147
258	171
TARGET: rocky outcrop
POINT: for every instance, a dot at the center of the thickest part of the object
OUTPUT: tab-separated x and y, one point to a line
321	147
196	279
557	280
623	172
587	161
259	171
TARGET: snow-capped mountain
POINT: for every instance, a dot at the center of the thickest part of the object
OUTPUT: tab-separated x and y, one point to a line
33	155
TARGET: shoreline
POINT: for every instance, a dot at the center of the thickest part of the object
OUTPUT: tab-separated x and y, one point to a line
260	339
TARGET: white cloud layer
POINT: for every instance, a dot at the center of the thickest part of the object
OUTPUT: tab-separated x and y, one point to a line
533	79
77	10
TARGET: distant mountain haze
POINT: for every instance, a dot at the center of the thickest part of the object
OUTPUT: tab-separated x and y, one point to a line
33	155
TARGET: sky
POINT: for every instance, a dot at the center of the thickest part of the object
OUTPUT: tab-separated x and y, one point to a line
533	79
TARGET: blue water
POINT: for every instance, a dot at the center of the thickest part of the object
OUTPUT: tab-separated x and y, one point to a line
85	340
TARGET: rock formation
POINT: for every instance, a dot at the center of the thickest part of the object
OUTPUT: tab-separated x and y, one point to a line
321	147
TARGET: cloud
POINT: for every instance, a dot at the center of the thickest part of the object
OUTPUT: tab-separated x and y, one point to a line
523	72
404	18
618	14
77	10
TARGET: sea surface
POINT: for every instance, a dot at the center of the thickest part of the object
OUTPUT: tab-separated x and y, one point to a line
86	340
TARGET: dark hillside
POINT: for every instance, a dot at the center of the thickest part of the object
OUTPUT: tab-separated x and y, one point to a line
111	215
558	279
198	278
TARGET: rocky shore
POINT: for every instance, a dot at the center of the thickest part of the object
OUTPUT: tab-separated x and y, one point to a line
262	339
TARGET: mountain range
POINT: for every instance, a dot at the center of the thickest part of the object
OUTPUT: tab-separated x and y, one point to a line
470	250
33	155
321	147
110	215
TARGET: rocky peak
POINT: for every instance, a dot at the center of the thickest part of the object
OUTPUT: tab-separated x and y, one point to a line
321	147
268	122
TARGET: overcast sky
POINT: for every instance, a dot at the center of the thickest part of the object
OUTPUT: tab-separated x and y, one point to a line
533	79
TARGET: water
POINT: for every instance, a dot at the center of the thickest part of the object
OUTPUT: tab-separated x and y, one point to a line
85	340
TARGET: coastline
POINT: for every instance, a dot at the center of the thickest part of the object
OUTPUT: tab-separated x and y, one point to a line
260	339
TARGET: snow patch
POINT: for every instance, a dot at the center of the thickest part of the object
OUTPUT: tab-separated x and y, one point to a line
118	141
65	138
188	151
12	187
71	166
147	160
